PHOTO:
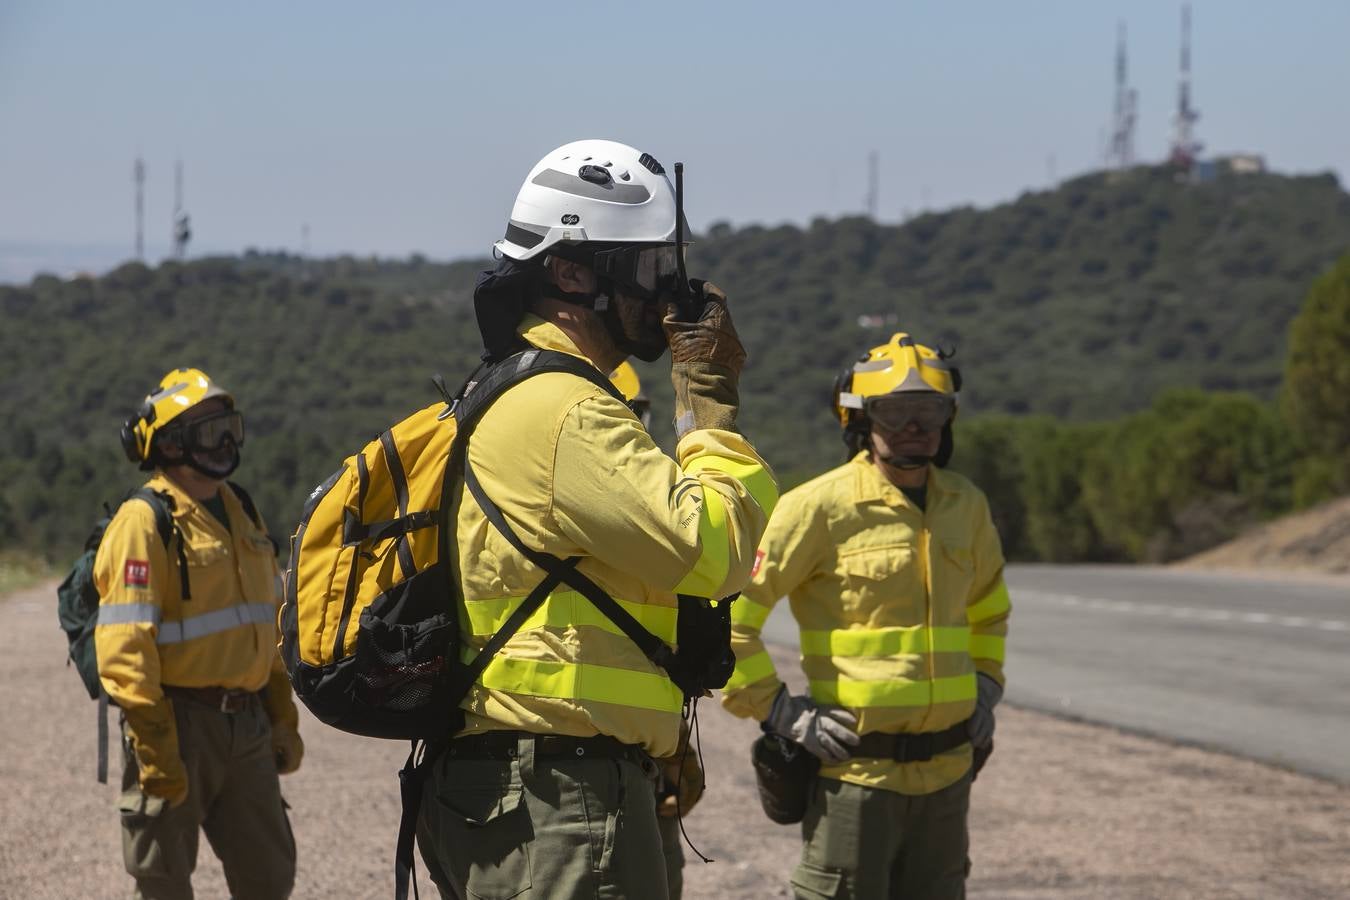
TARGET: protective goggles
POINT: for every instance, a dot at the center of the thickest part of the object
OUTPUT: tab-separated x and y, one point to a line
209	433
894	411
645	271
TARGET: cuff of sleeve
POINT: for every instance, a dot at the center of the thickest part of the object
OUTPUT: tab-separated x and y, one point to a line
990	668
753	701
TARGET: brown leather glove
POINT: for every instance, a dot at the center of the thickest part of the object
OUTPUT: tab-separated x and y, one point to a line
287	749
681	779
706	359
153	735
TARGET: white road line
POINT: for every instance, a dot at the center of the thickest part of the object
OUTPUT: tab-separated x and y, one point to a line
1181	612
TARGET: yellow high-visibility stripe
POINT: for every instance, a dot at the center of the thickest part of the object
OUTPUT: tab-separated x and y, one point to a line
752	476
987	646
714	535
995	603
894	692
886	641
564	608
586	681
748	613
751	669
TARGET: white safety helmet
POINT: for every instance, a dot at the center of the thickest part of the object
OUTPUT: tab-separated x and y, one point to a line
591	192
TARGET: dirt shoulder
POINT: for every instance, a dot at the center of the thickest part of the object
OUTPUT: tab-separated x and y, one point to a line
1316	540
1064	810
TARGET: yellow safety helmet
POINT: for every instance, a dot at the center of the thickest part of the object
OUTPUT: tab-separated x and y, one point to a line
903	365
625	378
178	391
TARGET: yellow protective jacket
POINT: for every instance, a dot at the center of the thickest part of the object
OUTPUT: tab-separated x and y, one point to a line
147	636
576	474
898	609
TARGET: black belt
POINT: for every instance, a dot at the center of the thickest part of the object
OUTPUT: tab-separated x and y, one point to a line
227	700
505	746
912	747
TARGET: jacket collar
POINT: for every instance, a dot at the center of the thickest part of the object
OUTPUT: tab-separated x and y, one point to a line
870	486
547	336
183	503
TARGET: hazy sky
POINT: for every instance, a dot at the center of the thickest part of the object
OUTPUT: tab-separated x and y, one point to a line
400	127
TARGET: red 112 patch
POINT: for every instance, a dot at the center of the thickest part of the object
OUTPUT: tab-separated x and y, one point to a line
137	573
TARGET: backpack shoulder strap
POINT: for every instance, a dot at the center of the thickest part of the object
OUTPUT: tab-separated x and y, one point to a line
161	502
251	510
565	571
478	395
475	399
246	501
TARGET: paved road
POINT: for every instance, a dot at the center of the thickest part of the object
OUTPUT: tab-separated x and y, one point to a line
1256	666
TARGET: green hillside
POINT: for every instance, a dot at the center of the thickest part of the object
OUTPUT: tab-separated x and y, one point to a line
1079	303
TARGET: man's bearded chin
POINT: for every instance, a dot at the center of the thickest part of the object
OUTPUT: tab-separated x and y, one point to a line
218	463
636	328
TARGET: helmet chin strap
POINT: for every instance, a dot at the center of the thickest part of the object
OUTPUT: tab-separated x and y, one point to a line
900	461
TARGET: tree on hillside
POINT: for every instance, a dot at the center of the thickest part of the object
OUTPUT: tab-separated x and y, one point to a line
1316	396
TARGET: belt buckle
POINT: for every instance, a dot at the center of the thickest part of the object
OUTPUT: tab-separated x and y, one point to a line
231	703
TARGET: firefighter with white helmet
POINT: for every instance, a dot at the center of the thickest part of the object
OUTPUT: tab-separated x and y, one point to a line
894	573
548	786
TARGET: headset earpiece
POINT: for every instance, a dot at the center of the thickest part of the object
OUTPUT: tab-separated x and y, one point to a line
131	443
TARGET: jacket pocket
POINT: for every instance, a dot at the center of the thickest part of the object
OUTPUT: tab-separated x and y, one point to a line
483	837
146	842
883	585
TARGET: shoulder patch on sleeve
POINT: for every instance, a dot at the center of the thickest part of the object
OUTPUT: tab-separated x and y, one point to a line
759	561
136	573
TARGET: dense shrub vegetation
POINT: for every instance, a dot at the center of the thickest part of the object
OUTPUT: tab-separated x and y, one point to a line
1123	340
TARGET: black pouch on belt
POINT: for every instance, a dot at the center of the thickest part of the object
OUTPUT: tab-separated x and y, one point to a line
784	773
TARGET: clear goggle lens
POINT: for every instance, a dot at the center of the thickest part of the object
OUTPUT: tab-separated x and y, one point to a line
210	433
656	267
928	411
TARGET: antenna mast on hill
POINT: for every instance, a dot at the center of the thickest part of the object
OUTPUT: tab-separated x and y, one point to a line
182	230
873	185
138	176
1120	152
1185	148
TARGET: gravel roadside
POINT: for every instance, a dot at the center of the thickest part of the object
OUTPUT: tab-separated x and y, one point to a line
1064	810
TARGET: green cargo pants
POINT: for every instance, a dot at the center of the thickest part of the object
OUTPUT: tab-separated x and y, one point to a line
672	845
556	828
863	843
233	795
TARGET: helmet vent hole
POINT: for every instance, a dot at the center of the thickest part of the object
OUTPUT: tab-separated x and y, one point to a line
624	176
595	175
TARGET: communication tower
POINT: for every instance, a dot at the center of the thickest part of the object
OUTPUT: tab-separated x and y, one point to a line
138	177
1120	150
182	229
1185	148
873	184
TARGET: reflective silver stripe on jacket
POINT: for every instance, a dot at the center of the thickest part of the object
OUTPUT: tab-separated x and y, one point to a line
192	627
128	614
215	622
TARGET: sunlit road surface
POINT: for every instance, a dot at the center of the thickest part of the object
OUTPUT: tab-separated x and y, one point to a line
1258	666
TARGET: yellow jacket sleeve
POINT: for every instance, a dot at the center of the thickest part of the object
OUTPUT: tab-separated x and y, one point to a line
134	573
989	605
689	526
793	546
